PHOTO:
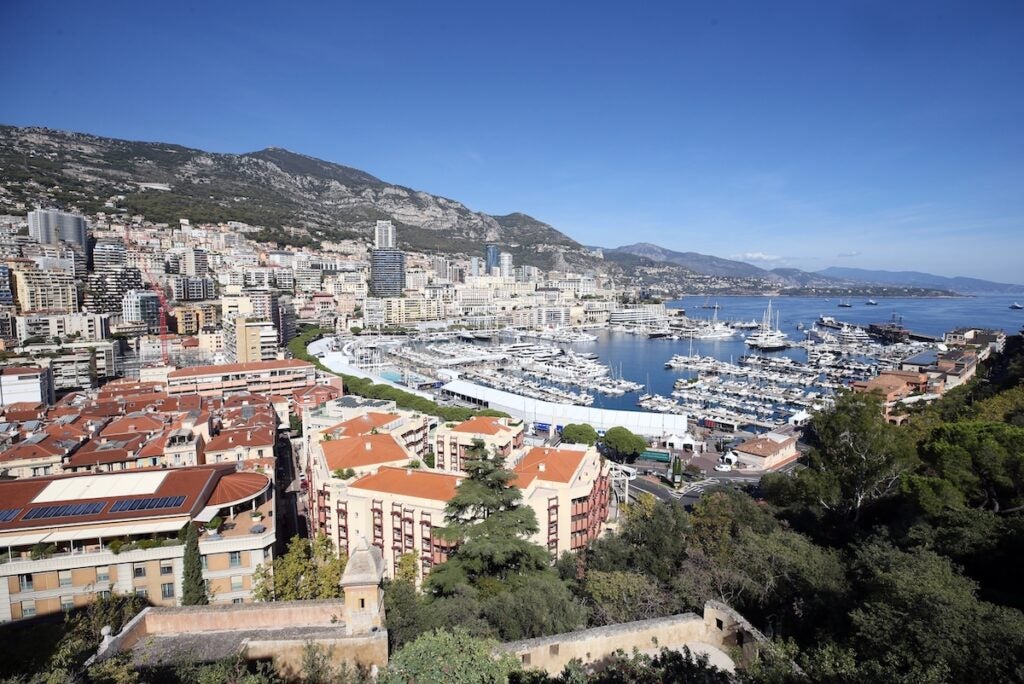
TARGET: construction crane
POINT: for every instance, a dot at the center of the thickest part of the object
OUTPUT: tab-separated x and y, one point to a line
154	284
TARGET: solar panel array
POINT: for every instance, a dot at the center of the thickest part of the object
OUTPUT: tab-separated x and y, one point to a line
65	511
149	504
9	514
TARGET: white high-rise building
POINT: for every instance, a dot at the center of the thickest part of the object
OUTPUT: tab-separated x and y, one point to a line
196	262
50	226
505	265
384	235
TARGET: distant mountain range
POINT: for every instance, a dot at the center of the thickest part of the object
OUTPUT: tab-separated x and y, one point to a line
296	197
974	286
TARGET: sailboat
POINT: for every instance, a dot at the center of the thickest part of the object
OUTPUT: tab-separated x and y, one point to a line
768	338
845	304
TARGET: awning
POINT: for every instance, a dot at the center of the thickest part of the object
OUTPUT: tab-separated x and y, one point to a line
113	531
207	514
24	539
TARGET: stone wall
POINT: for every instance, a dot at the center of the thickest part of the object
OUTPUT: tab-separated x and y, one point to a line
720	627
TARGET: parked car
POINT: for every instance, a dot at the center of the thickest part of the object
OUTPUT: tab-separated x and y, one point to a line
723	467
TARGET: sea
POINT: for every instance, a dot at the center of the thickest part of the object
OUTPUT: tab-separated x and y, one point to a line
643	360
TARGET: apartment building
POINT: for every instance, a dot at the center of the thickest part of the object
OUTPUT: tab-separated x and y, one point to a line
25	383
72	538
399	508
35	290
498	435
260	377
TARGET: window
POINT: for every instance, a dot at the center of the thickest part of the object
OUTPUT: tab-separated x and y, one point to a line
167	590
237	600
67	603
64	578
142	591
235	559
236	583
28	608
103	574
202	561
25	582
166	567
139	570
104	594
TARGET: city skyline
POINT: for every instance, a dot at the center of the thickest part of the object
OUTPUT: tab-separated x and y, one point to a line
809	136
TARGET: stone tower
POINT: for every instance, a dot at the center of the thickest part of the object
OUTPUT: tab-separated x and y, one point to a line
364	600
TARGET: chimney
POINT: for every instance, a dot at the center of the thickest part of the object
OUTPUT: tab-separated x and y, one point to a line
369	446
540	467
408	472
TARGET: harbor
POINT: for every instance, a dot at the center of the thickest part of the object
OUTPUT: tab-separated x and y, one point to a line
702	367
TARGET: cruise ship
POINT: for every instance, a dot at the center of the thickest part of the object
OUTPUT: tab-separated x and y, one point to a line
768	338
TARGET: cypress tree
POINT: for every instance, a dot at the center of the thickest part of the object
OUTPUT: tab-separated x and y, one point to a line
193	588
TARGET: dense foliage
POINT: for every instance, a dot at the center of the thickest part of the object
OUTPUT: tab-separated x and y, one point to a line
310	569
193	587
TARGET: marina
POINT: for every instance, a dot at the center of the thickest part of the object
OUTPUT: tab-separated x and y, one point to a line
703	368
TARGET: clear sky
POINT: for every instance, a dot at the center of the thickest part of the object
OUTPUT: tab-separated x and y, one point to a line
870	134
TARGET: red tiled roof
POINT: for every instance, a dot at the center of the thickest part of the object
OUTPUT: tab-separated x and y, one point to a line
364	450
240	486
410	482
257	436
553	465
482	425
192	483
253	367
364	424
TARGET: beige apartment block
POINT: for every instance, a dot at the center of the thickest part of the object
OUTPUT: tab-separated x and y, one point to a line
68	539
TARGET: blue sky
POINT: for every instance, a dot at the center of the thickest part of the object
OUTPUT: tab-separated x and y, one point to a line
808	134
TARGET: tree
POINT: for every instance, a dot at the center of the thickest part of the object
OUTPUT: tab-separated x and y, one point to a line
489	526
857	457
624	444
579	433
310	569
454	657
407	569
193	587
623	596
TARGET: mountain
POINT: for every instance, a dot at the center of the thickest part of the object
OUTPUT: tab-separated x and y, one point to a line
699	263
918	279
275	188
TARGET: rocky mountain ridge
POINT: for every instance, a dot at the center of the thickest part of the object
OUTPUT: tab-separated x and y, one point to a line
271	187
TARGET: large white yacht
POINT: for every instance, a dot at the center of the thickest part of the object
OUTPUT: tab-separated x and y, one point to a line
768	338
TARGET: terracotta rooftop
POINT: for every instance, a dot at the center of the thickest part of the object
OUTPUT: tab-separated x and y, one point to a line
256	436
240	486
765	446
410	482
364	424
482	425
553	465
253	367
107	488
361	451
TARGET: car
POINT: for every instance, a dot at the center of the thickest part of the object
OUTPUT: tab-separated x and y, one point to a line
723	467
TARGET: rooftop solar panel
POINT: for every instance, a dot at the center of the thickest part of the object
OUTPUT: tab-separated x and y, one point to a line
9	514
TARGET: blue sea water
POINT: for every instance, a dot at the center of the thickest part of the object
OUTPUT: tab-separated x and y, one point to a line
643	360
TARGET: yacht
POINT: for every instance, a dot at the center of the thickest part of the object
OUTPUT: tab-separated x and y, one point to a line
768	338
871	302
845	305
1017	306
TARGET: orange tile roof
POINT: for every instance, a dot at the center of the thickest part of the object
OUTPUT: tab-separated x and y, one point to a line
364	424
255	436
240	486
253	367
764	447
410	482
553	465
482	425
131	425
361	451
